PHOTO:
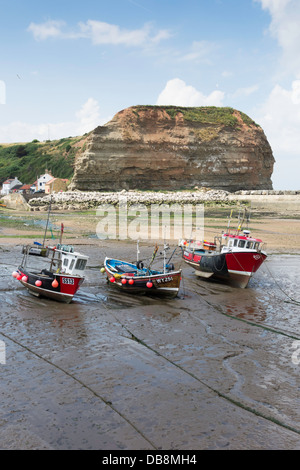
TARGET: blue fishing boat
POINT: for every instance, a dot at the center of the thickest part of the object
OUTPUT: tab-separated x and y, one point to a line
135	278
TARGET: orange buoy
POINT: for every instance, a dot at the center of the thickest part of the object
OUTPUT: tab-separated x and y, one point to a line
131	281
112	279
54	283
124	281
149	284
25	278
38	283
15	274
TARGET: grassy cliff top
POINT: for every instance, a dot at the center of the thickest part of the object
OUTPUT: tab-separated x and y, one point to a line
204	114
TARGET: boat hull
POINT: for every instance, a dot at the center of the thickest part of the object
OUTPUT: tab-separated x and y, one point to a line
66	288
162	284
234	267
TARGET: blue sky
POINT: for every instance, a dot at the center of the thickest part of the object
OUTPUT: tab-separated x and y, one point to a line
69	66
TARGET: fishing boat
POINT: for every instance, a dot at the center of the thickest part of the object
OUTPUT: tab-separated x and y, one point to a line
55	272
135	278
233	256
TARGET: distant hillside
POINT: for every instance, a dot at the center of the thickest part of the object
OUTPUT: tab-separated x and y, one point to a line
27	161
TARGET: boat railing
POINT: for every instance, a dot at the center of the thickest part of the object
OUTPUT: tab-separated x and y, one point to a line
262	247
51	258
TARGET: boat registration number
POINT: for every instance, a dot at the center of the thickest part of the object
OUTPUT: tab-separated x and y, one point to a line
67	280
164	279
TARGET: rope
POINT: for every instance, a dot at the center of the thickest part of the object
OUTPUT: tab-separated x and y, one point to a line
291	299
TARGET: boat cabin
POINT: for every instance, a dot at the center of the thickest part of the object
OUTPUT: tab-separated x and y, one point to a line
72	262
230	241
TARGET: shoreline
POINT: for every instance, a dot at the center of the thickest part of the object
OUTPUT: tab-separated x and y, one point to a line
277	203
279	233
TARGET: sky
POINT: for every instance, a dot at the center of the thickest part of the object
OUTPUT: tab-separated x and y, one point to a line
67	67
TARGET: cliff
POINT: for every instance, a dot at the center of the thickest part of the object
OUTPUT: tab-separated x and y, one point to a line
169	148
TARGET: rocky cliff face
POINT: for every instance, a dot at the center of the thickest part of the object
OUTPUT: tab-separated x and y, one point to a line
168	148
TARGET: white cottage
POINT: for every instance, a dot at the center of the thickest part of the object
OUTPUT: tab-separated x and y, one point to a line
42	180
9	185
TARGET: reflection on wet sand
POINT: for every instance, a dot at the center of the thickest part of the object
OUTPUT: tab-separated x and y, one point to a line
116	371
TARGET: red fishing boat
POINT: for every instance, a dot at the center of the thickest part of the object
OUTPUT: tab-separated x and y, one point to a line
55	272
232	257
57	275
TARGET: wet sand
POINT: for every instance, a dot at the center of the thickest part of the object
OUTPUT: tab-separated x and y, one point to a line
211	369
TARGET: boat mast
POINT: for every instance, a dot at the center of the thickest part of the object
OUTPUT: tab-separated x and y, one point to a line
248	219
240	221
137	250
166	246
229	220
164	257
49	210
61	232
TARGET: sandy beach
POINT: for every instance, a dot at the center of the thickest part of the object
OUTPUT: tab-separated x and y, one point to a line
279	232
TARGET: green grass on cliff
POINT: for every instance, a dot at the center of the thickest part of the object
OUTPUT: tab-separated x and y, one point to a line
27	161
205	114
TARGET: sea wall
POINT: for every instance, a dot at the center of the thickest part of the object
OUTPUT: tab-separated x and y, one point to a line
283	202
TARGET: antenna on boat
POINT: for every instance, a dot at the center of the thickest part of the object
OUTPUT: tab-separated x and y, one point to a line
164	251
137	250
49	210
248	218
190	240
153	255
241	221
61	232
229	220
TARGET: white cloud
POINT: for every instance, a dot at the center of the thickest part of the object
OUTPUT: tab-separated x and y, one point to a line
280	119
284	27
99	32
245	91
46	30
88	116
200	50
177	93
104	33
85	120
